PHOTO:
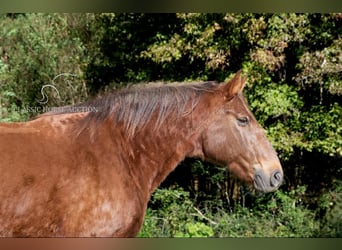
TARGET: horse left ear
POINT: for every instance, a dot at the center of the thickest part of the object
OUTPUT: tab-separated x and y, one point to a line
235	85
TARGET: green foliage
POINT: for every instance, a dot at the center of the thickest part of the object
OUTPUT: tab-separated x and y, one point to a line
272	215
172	217
331	208
39	49
197	229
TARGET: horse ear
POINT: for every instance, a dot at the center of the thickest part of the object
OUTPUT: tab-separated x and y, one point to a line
235	85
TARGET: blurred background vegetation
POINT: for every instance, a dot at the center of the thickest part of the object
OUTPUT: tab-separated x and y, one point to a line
294	67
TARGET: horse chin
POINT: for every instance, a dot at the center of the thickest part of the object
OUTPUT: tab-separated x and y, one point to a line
259	180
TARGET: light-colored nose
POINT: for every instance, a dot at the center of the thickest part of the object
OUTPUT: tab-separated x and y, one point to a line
265	183
276	178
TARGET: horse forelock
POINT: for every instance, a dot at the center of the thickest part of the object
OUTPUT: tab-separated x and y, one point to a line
135	106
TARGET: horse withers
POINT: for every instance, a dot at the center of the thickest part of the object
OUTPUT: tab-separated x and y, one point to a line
79	173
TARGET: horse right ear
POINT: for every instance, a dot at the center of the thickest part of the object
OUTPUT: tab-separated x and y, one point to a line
235	85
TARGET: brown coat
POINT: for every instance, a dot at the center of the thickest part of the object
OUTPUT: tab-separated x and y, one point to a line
84	173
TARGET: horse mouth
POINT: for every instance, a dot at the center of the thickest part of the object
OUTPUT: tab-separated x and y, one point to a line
264	183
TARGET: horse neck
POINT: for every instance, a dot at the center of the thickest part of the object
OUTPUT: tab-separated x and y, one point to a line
155	152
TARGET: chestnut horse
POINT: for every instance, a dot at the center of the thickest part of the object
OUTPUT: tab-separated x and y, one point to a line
89	170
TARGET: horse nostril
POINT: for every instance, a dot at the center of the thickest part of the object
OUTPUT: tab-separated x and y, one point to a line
276	178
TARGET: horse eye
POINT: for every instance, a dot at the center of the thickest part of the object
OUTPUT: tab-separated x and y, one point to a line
243	121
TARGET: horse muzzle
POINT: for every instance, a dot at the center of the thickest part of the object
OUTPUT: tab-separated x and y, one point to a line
268	183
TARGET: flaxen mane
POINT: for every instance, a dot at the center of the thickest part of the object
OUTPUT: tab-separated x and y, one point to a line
134	106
